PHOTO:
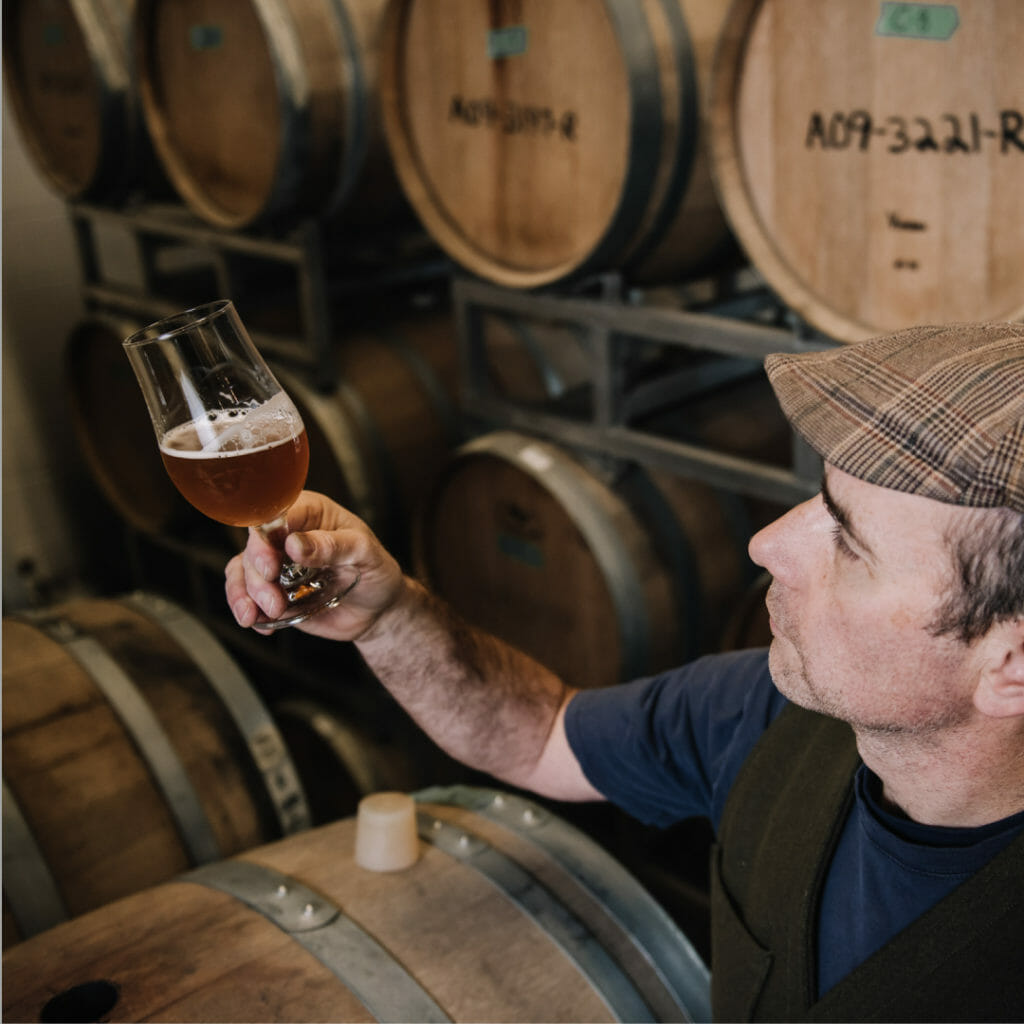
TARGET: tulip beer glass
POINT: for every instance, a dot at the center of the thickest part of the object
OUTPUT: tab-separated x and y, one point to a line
230	438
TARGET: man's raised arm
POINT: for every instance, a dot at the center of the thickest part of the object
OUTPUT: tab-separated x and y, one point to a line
485	703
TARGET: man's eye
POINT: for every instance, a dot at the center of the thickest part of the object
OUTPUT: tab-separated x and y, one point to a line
841	544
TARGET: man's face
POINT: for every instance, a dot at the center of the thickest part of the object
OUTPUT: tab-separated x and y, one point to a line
858	573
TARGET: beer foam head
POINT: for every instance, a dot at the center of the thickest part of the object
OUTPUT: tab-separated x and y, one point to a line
234	430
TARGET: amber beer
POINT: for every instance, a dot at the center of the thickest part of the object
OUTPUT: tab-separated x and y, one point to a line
240	467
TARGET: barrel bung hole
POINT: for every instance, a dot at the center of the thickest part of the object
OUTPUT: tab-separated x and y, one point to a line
90	1001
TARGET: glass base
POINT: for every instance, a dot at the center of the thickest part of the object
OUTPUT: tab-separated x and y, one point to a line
309	591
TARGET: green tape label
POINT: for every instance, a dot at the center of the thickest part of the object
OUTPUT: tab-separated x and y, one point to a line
205	37
917	21
507	42
53	34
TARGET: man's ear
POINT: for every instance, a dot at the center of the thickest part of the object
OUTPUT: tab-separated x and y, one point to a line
1000	691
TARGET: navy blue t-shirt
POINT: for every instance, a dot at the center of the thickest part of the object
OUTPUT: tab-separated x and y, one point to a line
670	746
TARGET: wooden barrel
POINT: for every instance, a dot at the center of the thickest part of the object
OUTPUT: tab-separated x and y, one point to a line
509	914
341	759
536	362
68	73
869	158
748	624
379	440
540	142
134	747
114	432
266	111
601	577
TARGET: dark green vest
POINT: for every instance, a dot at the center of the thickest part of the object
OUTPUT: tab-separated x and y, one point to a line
961	960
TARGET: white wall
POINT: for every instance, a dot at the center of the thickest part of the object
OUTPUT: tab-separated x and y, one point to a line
46	491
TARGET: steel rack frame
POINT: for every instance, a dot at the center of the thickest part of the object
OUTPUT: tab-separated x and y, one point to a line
179	260
611	325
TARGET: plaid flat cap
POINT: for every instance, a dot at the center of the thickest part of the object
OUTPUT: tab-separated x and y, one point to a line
936	411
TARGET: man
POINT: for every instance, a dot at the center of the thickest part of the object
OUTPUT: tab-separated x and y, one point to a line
865	776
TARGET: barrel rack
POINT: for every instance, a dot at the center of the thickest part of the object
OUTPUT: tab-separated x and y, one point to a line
174	261
612	323
297	291
179	260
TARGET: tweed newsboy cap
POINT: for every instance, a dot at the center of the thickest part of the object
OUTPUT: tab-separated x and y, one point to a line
936	411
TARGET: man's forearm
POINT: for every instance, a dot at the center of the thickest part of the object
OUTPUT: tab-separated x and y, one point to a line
485	703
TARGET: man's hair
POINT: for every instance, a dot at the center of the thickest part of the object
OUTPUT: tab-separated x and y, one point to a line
987	585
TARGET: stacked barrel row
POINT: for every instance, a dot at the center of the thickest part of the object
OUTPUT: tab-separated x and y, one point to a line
867	160
871	173
145	788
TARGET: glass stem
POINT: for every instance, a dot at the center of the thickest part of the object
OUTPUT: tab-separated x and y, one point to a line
292	576
275	531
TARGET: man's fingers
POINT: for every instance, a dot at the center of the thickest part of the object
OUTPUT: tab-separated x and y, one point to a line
320	547
241	604
249	592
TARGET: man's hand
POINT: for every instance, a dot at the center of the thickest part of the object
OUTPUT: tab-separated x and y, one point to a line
321	533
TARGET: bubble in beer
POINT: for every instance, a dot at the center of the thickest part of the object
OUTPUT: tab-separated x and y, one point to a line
239	429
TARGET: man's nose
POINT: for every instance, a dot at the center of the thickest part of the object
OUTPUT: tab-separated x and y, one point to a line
779	546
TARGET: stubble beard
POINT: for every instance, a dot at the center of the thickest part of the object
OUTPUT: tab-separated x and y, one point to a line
796	681
793	680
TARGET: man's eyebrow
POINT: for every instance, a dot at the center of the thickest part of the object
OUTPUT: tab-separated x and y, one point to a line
842	517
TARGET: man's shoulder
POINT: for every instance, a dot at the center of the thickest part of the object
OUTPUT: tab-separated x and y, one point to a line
735	682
